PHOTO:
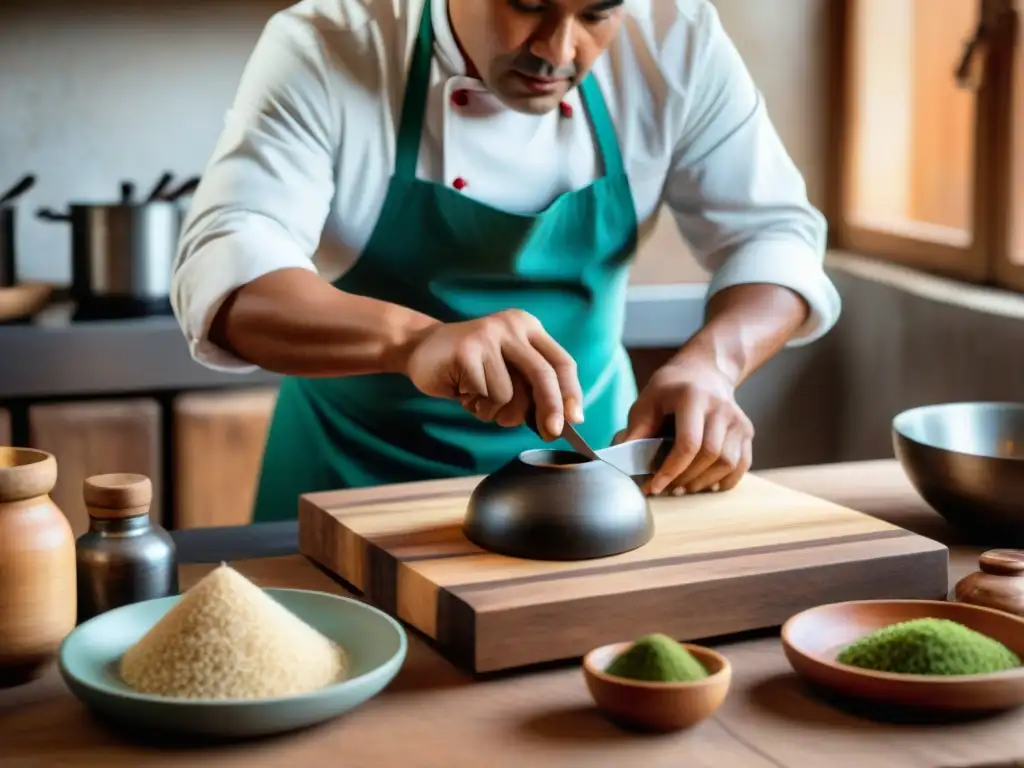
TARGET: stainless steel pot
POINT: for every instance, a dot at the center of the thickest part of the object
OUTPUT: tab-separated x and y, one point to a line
8	267
121	256
122	253
8	231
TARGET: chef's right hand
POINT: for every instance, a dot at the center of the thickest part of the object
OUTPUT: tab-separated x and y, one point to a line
495	366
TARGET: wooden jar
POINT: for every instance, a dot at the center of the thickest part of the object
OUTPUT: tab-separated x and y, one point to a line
999	584
37	566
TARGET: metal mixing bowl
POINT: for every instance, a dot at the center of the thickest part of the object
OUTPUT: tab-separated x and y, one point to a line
967	462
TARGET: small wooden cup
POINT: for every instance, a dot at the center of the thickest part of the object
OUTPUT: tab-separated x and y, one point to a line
652	706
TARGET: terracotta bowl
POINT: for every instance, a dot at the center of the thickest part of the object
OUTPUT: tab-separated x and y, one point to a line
812	640
657	706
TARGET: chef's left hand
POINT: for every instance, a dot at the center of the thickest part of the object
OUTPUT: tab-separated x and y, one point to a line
713	445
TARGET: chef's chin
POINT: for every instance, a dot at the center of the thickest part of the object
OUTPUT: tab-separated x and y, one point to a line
528	95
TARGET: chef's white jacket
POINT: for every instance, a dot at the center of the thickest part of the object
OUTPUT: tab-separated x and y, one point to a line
301	169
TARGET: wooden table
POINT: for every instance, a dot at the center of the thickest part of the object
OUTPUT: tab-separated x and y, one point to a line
434	716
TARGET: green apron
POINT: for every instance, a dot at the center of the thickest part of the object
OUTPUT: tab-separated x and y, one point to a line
436	251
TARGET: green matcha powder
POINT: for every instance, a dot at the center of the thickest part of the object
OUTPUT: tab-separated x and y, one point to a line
658	659
929	647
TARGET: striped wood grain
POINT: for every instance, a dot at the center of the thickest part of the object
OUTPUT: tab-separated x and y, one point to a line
719	564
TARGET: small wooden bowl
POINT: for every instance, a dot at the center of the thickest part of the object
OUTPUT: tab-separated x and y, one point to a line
657	706
813	638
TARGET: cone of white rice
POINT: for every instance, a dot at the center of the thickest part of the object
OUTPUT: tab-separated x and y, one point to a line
227	639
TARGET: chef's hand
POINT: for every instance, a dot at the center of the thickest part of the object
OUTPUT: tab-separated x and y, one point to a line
495	366
713	441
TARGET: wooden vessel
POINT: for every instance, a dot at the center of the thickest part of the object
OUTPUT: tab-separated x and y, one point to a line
37	566
718	564
999	584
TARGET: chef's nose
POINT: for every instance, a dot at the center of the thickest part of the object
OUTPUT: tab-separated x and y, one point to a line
557	45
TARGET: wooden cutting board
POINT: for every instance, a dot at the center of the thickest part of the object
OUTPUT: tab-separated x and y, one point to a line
718	564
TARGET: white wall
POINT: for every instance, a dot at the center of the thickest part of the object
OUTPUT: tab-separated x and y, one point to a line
96	91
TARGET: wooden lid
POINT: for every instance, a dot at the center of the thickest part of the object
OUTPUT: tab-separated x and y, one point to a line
1003	562
117	495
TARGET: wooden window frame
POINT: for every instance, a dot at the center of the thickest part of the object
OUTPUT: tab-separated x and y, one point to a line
988	258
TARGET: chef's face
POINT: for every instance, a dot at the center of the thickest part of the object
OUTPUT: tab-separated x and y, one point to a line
529	53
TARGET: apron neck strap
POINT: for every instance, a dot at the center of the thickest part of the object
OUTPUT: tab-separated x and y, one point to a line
417	87
415	102
601	122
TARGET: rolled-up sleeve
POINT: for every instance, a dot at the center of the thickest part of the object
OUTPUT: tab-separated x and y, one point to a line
736	195
265	194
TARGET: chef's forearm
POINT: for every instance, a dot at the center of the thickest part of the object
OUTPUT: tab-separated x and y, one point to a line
294	323
744	326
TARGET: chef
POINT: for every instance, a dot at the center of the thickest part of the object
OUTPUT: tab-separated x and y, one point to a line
423	212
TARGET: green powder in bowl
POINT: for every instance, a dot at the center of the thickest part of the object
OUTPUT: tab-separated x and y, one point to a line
657	658
929	647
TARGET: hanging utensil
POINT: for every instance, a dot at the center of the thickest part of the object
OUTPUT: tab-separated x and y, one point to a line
186	188
48	214
158	190
24	185
127	193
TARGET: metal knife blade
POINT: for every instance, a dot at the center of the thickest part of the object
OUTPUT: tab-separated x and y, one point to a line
569	433
637	457
575	439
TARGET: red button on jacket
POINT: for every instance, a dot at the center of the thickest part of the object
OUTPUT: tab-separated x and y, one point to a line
460	98
566	108
460	183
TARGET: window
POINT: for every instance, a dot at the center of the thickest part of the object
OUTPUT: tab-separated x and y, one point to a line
931	137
